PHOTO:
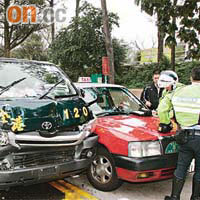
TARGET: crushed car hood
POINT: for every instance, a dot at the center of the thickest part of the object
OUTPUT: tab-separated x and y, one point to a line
22	115
131	127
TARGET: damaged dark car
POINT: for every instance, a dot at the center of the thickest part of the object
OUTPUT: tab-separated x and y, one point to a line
44	124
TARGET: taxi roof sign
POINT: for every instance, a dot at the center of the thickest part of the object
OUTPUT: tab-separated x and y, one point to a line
84	80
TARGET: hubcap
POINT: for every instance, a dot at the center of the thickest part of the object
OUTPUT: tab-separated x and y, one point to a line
101	169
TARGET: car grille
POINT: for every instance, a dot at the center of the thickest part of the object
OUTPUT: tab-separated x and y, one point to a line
35	159
167	172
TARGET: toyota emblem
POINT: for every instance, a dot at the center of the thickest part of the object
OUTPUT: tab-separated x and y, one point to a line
46	125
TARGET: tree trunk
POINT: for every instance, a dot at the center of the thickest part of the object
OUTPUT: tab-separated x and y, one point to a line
6	32
173	48
53	31
51	3
77	7
161	37
108	41
77	13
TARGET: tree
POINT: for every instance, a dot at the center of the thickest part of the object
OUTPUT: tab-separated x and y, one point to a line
173	33
51	4
187	12
108	41
15	34
156	7
77	8
80	51
189	29
32	49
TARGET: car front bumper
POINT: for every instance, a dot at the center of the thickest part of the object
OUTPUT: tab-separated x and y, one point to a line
145	169
41	174
28	171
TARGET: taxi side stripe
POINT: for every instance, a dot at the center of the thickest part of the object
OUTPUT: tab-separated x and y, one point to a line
78	190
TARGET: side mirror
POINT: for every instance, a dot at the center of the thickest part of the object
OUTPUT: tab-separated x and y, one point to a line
82	93
100	99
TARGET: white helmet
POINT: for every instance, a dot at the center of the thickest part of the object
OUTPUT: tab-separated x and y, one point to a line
167	78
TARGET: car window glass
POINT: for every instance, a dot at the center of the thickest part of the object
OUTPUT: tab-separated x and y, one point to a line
122	98
112	98
39	78
91	95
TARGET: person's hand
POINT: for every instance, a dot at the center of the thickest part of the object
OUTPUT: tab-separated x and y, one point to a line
121	106
148	103
154	113
165	128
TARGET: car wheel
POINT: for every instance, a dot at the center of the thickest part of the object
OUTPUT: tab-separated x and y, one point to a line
102	173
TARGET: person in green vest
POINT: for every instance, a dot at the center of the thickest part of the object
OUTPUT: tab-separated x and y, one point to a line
170	82
185	101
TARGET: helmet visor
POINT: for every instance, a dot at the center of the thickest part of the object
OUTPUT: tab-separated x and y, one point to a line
165	81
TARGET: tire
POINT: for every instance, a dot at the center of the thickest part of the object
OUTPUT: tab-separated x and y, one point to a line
102	173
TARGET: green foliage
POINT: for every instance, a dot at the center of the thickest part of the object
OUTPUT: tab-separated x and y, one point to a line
32	49
184	70
16	34
79	48
188	16
140	76
190	28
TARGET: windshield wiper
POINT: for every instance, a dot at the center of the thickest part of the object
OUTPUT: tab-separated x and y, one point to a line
6	88
142	112
109	113
45	94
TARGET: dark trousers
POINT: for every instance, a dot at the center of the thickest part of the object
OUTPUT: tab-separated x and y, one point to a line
187	152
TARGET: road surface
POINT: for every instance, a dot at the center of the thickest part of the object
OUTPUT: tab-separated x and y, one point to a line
80	189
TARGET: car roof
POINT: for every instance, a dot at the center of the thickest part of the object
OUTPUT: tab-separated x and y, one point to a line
89	85
16	60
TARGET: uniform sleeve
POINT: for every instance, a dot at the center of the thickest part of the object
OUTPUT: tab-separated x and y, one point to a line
164	108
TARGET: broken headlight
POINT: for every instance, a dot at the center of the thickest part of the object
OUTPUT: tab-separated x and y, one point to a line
4	140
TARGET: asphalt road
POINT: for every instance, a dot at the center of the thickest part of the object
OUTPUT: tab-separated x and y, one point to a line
80	189
136	191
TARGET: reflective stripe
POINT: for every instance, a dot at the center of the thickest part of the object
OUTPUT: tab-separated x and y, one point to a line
196	127
186	100
191	105
186	110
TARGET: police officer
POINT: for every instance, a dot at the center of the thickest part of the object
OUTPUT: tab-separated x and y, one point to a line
185	101
151	94
169	81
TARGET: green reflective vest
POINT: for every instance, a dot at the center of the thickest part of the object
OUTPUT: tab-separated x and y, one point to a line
185	101
165	108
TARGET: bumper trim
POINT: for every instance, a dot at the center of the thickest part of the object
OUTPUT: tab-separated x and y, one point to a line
142	164
35	140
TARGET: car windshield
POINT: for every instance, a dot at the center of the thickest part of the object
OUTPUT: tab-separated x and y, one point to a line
33	79
112	99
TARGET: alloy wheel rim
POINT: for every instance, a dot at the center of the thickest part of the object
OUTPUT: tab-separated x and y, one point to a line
101	169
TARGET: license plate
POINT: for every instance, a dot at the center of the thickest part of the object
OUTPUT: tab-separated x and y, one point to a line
48	171
172	147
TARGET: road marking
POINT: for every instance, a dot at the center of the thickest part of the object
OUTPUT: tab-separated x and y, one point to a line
71	192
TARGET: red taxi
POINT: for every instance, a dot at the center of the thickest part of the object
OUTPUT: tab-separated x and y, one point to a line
129	147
